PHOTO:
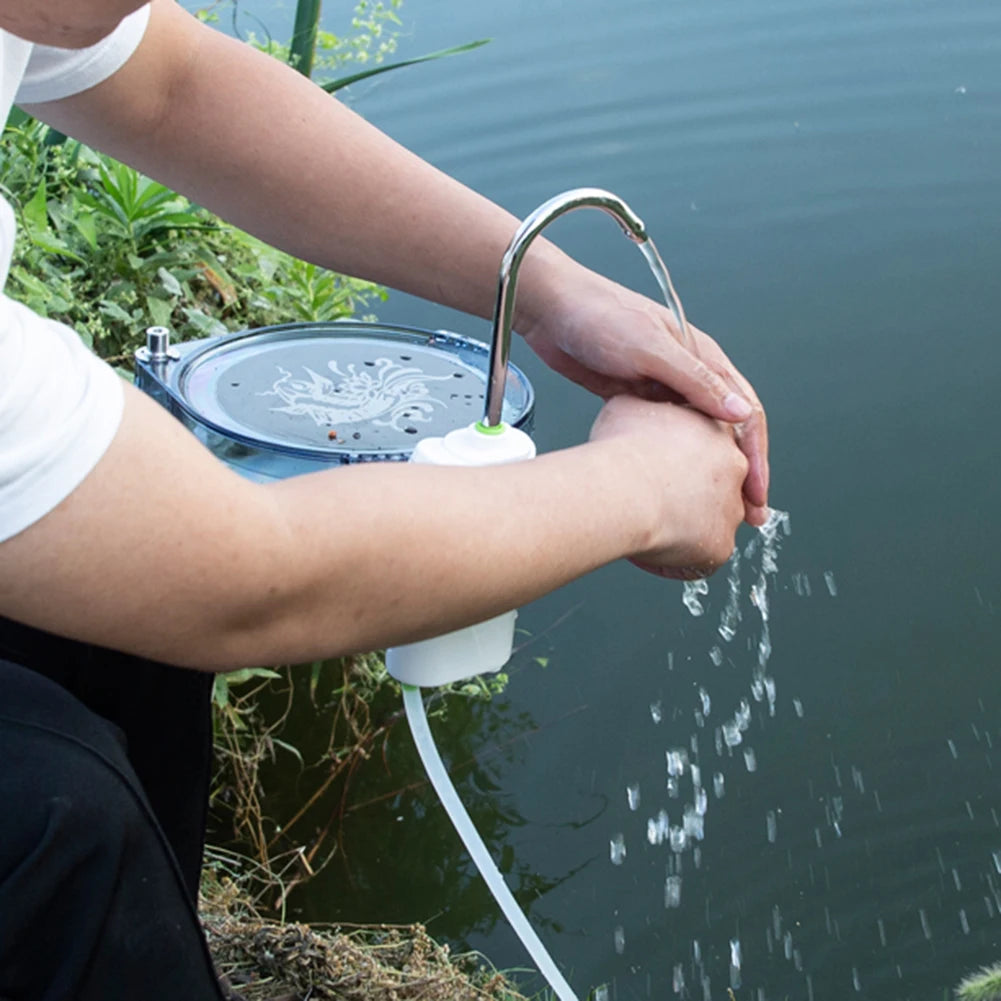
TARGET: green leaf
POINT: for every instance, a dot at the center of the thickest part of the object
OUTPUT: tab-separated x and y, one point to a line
53	245
160	311
284	745
220	691
345	81
204	325
113	311
246	674
36	211
17	118
86	226
314	678
541	661
170	284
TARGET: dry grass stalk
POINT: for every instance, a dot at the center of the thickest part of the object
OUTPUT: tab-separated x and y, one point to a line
268	959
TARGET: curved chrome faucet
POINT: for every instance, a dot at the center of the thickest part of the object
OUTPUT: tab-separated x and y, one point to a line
533	225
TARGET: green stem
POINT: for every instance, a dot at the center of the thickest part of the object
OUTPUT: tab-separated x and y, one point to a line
303	47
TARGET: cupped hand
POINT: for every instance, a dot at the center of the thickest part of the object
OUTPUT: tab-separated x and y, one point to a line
690	469
612	340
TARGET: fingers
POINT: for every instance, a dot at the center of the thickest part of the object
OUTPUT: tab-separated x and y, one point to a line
700	382
752	437
752	434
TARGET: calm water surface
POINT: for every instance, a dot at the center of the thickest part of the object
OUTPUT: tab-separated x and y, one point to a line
823	181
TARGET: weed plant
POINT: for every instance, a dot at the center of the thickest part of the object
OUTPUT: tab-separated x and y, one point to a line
984	985
110	252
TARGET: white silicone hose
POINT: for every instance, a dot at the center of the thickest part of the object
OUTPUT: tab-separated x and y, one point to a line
413	705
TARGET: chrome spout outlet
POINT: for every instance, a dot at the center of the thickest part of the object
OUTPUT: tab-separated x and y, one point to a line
531	227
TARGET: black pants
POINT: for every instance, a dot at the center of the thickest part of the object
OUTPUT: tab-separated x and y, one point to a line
104	768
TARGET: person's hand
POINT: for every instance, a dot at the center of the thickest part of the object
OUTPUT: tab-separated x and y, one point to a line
692	470
612	340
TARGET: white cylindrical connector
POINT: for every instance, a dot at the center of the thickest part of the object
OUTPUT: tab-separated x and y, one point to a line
485	647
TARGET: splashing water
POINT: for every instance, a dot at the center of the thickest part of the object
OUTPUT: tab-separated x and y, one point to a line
749	584
690	592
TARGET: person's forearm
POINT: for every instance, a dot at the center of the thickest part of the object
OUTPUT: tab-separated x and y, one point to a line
164	552
297	168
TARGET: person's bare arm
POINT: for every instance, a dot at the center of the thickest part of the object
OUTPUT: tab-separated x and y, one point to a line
164	551
269	151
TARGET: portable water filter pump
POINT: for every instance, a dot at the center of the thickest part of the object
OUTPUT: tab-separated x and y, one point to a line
487	646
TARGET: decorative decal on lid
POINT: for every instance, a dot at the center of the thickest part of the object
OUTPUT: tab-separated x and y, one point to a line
382	392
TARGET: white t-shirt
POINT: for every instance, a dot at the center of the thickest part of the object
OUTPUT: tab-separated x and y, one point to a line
60	406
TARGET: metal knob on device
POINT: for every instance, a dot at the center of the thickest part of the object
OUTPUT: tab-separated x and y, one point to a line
157	347
531	227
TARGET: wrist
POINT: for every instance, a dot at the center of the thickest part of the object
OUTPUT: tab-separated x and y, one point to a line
635	493
545	281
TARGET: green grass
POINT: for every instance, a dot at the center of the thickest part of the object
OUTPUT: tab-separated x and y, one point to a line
984	985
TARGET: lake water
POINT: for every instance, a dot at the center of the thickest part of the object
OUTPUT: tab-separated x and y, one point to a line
824	182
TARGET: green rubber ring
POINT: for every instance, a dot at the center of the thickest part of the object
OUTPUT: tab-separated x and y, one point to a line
490	428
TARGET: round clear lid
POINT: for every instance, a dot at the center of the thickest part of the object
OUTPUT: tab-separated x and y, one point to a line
347	387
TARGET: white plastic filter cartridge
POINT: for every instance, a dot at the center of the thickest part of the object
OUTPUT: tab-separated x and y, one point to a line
485	647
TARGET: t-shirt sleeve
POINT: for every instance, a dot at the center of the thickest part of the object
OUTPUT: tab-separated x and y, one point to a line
54	73
60	408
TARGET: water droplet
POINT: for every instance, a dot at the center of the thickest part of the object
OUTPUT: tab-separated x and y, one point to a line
750	759
701	802
678	979
657	828
619	938
672	892
694	825
690	592
832	587
676	761
742	717
718	785
734	963
716	655
771	826
633	796
656	712
617	849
